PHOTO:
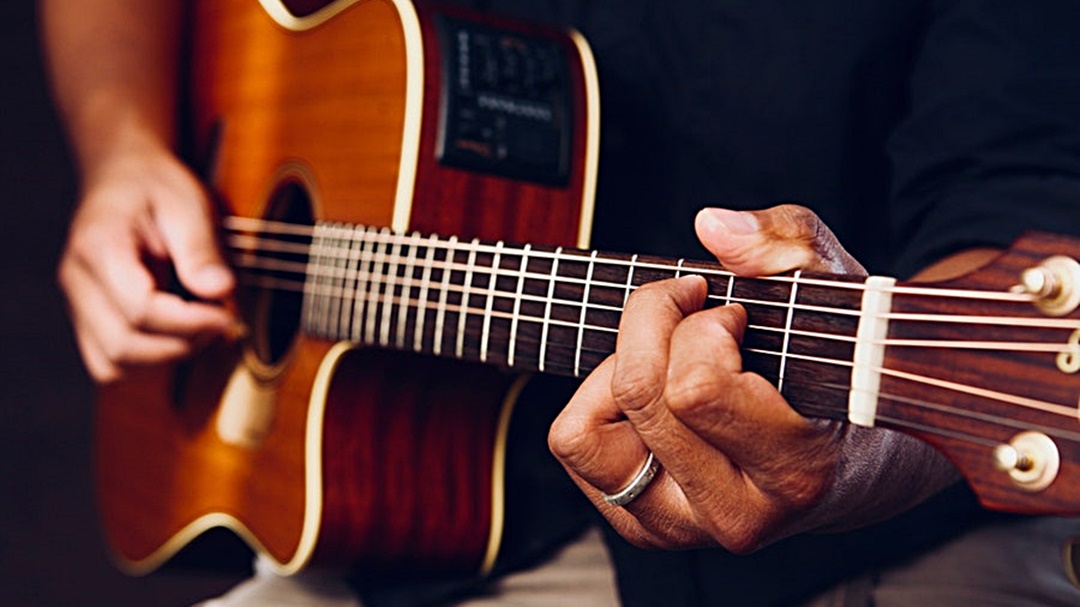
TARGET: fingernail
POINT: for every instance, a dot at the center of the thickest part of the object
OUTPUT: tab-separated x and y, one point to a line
734	222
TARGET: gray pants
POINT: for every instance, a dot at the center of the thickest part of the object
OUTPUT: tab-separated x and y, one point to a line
1015	565
1020	564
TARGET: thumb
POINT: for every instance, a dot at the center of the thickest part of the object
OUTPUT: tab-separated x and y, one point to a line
187	227
772	241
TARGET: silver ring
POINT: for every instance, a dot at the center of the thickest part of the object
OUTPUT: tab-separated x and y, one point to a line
641	480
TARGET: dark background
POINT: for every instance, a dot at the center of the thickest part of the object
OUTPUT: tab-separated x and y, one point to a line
51	552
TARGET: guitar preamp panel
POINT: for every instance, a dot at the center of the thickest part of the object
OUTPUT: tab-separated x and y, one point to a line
504	103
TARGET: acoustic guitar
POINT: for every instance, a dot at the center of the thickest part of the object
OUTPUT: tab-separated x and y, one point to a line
376	161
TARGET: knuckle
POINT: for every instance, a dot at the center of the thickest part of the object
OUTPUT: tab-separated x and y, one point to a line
137	310
138	313
117	350
661	536
741	531
65	273
689	392
642	539
803	491
565	439
106	374
799	222
76	258
634	390
644	296
743	537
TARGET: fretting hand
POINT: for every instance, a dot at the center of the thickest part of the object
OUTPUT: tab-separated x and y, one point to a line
739	467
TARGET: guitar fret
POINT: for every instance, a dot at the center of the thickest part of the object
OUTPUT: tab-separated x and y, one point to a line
308	286
787	331
386	318
422	299
375	290
486	332
329	271
440	313
406	292
320	289
547	309
470	266
343	296
584	309
365	265
630	279
352	278
516	316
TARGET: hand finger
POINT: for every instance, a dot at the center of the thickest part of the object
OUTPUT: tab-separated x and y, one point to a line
108	362
109	345
641	373
117	270
109	340
648	319
777	450
709	392
186	226
710	499
591	433
602	453
772	241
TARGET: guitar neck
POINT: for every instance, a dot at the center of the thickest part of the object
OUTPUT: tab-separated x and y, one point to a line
543	309
969	365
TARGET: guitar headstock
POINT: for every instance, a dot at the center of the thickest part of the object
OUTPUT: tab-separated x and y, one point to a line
985	368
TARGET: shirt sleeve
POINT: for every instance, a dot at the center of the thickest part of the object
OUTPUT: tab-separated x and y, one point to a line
990	146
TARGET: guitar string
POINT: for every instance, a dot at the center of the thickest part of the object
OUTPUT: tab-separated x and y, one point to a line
344	292
386	236
398	240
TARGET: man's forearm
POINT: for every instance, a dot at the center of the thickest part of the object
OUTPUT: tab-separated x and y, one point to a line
114	70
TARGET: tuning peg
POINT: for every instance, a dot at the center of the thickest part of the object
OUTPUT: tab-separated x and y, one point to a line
1054	284
1031	460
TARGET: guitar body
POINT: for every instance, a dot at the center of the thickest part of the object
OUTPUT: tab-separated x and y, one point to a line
316	452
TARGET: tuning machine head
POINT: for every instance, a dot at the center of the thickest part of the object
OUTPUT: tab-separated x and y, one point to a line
1031	460
1054	284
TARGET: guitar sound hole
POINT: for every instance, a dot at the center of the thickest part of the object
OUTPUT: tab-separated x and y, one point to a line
273	307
